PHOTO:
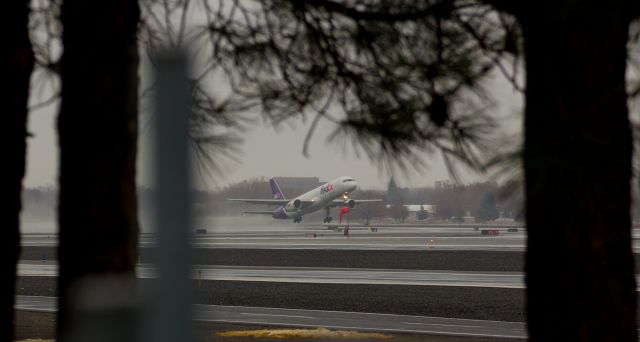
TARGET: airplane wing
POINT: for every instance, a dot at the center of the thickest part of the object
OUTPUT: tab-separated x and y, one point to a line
258	212
338	202
259	201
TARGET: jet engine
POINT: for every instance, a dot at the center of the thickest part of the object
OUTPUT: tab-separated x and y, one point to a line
351	203
297	204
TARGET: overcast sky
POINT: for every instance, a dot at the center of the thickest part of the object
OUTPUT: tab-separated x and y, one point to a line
267	152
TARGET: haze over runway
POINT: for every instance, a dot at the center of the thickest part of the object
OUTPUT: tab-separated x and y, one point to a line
320	275
289	285
317	236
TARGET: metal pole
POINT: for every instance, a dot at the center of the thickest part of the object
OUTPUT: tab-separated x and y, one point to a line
171	303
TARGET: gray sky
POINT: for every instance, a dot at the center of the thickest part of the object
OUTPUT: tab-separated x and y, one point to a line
277	151
267	151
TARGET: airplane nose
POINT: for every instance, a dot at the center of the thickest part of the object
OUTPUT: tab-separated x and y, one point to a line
355	186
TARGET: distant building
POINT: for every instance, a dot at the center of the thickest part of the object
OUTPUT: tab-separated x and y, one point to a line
420	207
298	181
307	183
422	211
467	218
441	184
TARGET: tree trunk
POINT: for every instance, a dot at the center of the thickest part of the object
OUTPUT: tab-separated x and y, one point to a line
97	129
16	63
577	159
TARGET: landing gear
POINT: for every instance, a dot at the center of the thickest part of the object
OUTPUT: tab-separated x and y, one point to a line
327	218
297	219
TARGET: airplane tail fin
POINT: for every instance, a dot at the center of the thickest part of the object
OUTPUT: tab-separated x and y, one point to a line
275	189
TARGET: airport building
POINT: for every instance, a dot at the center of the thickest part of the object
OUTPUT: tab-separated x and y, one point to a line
299	182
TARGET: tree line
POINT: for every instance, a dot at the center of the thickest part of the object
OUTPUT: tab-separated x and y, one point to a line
452	201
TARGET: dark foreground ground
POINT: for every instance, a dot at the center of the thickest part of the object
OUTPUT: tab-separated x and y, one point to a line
441	301
479	261
30	325
455	302
476	261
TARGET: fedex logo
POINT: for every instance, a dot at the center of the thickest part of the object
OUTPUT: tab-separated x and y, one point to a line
326	189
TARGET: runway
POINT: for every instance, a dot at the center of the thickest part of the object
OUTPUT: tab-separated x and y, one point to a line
322	275
297	237
385	238
327	240
266	233
468	275
329	319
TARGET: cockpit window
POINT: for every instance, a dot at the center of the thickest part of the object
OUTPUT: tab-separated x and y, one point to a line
348	180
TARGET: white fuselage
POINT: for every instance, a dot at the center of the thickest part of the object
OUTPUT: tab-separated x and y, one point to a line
321	197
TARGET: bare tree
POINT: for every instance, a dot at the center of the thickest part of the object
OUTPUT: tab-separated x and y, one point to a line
214	124
401	76
17	64
97	82
98	127
577	155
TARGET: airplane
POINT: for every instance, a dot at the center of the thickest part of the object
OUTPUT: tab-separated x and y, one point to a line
332	194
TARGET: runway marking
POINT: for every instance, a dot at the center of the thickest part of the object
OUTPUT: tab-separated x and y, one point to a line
274	315
359	237
355	244
324	275
366	276
443	325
